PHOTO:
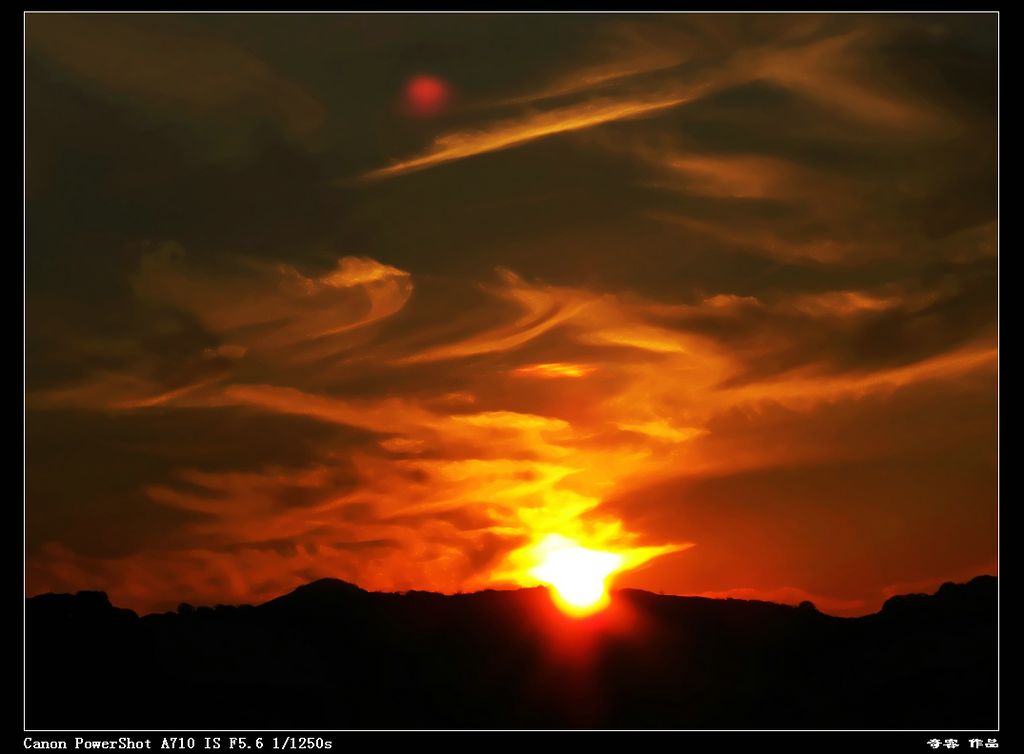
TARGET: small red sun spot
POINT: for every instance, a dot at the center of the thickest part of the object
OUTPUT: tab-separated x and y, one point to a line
426	96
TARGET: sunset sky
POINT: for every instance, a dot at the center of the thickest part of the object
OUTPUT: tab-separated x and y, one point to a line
397	298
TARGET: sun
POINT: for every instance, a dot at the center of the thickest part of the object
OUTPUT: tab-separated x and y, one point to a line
577	575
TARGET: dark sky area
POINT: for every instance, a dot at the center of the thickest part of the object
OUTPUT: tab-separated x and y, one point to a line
717	292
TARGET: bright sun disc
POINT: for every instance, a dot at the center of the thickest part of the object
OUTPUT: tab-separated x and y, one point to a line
578	575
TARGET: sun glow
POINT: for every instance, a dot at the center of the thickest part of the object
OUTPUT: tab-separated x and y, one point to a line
577	575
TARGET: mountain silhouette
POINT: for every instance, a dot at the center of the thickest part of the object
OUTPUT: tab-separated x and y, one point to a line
330	655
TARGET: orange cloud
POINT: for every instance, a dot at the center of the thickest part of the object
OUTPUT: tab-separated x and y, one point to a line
828	70
513	132
554	370
287	308
626	51
542	309
765	242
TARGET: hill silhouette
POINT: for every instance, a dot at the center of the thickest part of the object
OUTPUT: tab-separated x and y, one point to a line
330	655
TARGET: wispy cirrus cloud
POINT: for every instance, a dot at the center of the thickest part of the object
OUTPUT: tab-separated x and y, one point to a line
822	69
624	51
513	132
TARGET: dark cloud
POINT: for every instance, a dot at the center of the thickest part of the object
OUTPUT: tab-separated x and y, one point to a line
87	473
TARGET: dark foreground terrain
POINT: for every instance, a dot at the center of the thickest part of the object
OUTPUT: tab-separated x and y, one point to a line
331	656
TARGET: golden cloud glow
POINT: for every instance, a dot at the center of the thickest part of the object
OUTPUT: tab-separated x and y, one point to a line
554	370
513	132
644	337
542	310
456	499
663	430
267	309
